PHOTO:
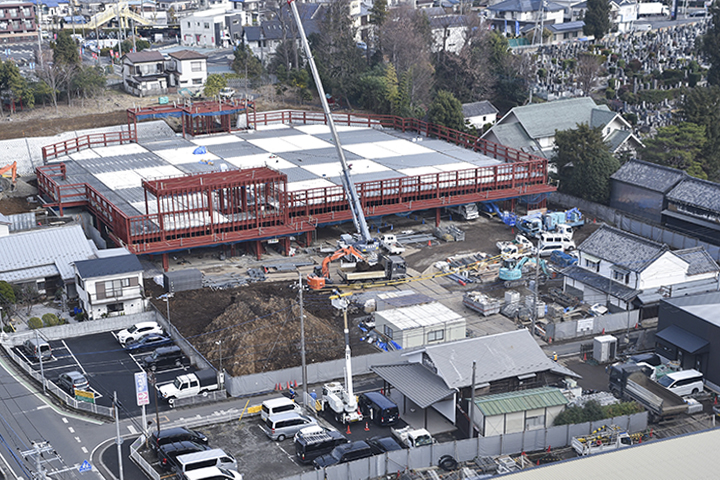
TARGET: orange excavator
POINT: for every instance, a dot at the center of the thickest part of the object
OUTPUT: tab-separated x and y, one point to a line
317	280
12	169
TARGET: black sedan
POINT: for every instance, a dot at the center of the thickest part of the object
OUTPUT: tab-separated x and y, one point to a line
147	343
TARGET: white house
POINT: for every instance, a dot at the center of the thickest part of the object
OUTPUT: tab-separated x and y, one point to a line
624	13
514	412
209	28
144	73
615	267
418	325
527	11
479	114
110	286
187	69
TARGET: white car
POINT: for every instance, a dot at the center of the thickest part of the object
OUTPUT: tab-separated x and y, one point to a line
137	331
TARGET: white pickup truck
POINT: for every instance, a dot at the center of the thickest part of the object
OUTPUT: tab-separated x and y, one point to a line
410	437
391	244
189	385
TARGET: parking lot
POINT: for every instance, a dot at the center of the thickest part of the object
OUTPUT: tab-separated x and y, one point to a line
108	368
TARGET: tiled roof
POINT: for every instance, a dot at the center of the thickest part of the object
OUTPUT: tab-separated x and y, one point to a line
566	26
541	120
145	56
697	193
699	259
187	55
103	267
621	248
524	6
603	284
476	109
648	175
520	401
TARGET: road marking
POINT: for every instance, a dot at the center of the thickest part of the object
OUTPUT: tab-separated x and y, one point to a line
132	429
65	420
72	430
84	450
78	439
74	358
42	407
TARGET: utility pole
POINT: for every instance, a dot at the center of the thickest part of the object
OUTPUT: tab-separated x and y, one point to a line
119	21
40	357
472	401
118	439
39	29
302	341
36	453
535	290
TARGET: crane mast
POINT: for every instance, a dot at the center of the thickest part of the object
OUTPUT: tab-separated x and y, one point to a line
367	243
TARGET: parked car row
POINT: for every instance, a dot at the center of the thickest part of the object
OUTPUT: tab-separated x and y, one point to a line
187	453
150	337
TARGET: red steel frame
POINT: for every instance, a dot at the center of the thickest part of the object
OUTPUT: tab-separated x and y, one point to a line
254	204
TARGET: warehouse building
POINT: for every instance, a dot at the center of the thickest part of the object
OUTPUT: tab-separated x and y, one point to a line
514	412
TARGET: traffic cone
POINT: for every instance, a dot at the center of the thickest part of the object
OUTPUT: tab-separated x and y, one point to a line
288	385
295	383
549	447
603	332
367	428
651	433
348	430
429	243
585	357
636	326
538	462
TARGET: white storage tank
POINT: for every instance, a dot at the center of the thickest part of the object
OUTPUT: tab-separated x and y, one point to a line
604	348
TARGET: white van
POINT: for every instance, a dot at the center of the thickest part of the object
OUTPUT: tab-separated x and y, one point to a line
213	473
215	457
684	382
550	242
278	405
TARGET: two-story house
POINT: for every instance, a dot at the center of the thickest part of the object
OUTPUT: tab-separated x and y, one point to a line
525	12
110	286
211	28
531	128
144	73
187	69
615	267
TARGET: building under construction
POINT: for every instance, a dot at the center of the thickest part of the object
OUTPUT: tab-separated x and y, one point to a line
240	176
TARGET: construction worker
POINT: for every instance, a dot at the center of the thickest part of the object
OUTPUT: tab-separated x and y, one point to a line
554	357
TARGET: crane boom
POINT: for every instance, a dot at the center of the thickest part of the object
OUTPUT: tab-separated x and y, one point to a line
368	243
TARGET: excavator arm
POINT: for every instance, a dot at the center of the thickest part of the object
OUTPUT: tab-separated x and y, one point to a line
349	250
12	168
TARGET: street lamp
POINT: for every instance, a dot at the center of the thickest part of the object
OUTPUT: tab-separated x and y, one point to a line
166	297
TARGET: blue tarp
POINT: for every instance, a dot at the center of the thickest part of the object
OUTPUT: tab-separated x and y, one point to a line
199	151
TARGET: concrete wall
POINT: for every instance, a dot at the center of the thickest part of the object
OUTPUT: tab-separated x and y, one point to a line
616	322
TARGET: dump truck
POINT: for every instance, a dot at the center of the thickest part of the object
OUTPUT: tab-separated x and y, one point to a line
469	211
410	437
630	382
603	439
390	267
199	383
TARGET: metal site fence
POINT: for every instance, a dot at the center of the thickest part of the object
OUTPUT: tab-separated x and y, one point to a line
616	322
391	463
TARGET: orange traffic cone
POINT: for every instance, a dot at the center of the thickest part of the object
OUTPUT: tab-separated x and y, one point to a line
429	243
348	430
367	428
603	332
585	357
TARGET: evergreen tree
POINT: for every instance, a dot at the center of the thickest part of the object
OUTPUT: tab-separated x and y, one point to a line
710	45
597	18
214	83
584	163
245	62
677	146
446	110
65	50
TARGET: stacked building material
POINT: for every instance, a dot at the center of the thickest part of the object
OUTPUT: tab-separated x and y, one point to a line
181	280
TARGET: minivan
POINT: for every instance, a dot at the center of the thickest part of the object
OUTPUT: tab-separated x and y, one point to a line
36	348
311	442
163	357
283	425
213	473
684	382
177	434
550	242
215	457
379	408
278	405
347	452
168	453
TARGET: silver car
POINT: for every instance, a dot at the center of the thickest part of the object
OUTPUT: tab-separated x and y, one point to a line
283	425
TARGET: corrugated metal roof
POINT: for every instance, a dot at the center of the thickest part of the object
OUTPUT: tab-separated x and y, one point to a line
525	6
26	254
500	356
416	316
697	193
414	381
503	403
103	267
648	175
686	457
623	249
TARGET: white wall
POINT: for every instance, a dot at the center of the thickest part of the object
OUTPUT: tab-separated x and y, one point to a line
666	270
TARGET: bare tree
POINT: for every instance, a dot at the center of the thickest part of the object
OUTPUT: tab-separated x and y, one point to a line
587	69
54	77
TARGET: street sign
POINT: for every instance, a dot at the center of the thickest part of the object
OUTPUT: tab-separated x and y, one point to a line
84	396
141	389
85	467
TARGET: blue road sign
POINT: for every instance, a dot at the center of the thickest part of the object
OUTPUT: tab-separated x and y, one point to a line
85	467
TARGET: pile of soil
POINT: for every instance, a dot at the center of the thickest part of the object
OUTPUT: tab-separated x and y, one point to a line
258	325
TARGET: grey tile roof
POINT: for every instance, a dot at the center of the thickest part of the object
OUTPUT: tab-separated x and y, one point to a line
415	381
103	267
699	259
145	56
541	120
513	135
497	357
524	6
598	282
46	252
478	108
566	26
187	55
697	193
617	138
656	178
601	116
621	248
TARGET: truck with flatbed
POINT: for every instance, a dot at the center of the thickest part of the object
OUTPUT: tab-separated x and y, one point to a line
629	381
188	385
603	439
390	267
409	437
391	244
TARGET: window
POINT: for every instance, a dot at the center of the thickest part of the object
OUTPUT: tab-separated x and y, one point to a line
621	276
188	24
196	66
594	266
115	307
388	332
435	336
79	282
113	288
197	81
206	26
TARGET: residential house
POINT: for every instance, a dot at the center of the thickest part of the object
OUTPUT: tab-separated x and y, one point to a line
616	268
639	188
437	379
479	114
688	332
509	16
187	69
209	28
110	286
566	31
176	5
144	73
531	128
17	22
624	13
693	207
448	31
514	412
42	259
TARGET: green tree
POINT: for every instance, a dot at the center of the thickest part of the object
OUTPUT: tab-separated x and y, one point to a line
584	163
677	146
65	49
446	110
89	81
7	299
245	62
13	83
710	45
597	18
701	106
214	83
510	73
35	323
50	320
